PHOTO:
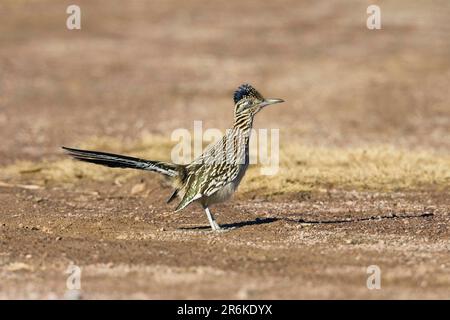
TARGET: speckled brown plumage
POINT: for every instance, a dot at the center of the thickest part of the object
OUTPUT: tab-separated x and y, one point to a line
215	175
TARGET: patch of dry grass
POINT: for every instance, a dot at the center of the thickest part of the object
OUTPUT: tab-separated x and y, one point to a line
302	168
67	170
378	168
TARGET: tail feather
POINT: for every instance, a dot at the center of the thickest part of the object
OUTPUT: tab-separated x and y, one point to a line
120	161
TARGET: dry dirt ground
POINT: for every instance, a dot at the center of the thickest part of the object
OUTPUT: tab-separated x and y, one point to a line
364	133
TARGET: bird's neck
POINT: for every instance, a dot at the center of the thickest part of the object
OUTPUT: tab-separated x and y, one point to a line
241	135
243	123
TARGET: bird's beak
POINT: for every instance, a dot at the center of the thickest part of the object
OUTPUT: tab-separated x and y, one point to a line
268	102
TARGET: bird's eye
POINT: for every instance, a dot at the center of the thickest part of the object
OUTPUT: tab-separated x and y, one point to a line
244	105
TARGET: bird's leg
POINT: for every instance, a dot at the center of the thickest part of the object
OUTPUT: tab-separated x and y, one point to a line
211	220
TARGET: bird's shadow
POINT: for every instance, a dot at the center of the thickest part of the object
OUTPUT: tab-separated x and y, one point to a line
235	225
267	220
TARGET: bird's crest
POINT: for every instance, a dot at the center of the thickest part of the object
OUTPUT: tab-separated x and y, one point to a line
246	91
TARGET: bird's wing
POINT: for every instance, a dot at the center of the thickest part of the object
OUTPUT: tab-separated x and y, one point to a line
206	181
187	199
215	168
220	177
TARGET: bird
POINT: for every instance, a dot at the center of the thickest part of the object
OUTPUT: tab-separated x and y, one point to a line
214	176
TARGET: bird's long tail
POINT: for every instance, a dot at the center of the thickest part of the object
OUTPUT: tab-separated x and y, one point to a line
119	161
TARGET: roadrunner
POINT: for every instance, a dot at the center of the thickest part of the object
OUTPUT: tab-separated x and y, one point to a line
212	177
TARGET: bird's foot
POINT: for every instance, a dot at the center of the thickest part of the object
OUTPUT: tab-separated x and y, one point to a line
215	226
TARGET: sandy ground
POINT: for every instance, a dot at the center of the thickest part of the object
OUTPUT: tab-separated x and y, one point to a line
149	68
135	247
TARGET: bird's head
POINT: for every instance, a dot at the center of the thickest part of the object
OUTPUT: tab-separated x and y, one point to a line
249	101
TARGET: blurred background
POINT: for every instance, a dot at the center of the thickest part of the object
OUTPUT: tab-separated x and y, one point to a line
154	66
